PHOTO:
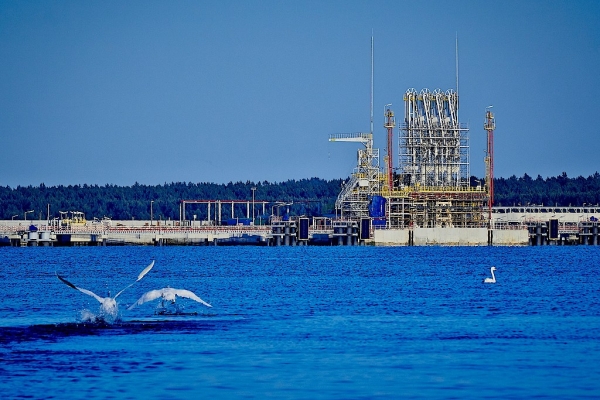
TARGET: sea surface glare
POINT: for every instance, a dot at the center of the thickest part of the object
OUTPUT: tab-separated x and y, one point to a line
304	322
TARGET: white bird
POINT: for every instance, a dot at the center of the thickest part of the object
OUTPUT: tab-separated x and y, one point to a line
108	305
167	294
493	278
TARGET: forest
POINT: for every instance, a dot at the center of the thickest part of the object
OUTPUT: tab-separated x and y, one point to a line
310	197
553	191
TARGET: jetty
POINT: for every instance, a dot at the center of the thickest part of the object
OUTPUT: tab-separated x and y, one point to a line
531	225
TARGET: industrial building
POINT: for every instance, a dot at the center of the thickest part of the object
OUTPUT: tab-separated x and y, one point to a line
430	187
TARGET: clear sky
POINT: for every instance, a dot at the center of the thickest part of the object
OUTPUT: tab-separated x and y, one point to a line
104	92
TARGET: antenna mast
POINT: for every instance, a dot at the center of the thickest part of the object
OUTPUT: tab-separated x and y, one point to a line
456	55
371	82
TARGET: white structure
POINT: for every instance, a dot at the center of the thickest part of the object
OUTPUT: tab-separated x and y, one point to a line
433	146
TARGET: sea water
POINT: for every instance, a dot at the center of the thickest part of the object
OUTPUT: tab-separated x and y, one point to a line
303	322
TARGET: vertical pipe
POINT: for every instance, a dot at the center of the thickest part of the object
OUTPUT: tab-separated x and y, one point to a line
389	125
490	125
219	212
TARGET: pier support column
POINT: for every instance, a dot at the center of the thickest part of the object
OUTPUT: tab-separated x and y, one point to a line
286	235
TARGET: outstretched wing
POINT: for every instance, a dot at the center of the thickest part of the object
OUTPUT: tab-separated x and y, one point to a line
140	276
189	295
66	282
148	296
145	271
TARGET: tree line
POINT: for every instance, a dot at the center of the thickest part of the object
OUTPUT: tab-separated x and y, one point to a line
553	191
310	197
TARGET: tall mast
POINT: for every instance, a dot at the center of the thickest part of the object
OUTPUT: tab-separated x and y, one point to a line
456	55
371	82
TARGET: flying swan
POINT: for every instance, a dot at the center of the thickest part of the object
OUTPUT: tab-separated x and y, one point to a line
493	278
108	305
167	294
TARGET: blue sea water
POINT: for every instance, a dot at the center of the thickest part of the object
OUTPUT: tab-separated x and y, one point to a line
304	322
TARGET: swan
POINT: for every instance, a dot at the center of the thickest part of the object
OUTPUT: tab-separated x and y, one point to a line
493	278
167	294
108	305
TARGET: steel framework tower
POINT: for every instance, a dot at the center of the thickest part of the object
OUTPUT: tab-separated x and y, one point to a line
433	144
365	181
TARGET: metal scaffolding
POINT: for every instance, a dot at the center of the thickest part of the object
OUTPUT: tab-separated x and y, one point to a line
431	186
433	145
365	181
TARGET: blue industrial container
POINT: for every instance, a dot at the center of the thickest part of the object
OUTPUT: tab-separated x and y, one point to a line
303	229
377	207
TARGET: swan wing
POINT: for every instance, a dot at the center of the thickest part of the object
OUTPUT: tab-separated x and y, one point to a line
140	276
148	296
89	293
145	271
189	295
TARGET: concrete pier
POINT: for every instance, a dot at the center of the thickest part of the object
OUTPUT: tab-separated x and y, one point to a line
553	231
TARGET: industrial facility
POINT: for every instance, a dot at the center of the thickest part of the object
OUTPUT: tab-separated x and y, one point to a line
430	187
421	193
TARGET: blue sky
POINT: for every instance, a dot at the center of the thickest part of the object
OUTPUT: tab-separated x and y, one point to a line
218	91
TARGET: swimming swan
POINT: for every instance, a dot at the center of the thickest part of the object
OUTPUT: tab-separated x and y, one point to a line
167	294
108	305
493	278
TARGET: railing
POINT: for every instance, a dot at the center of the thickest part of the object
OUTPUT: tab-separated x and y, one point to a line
358	136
